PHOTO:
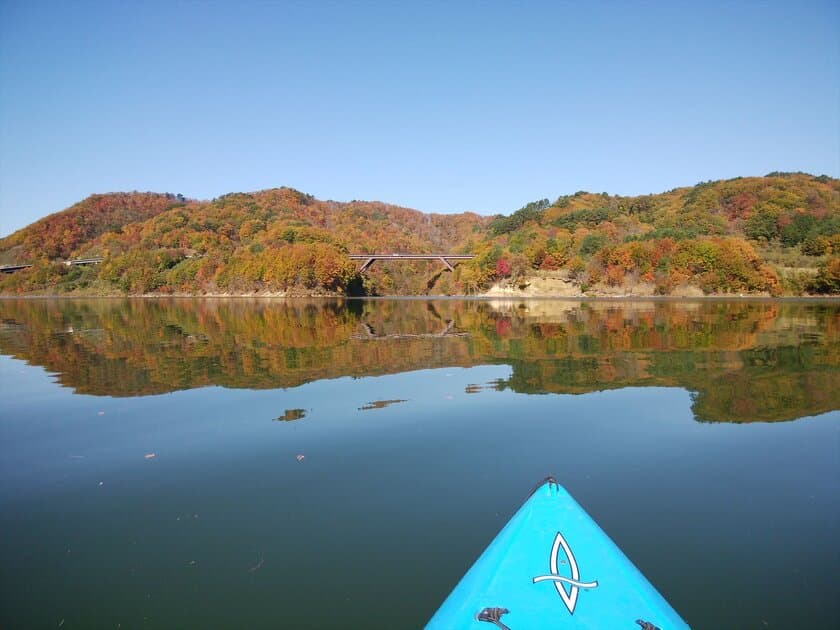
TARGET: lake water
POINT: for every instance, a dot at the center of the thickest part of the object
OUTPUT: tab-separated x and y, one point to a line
271	464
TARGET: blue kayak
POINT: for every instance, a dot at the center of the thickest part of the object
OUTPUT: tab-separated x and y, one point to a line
553	567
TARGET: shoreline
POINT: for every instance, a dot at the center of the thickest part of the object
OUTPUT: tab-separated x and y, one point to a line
506	297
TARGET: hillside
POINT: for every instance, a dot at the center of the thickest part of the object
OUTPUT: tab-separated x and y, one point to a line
775	234
772	235
59	235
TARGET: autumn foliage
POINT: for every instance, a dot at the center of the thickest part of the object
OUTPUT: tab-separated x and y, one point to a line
770	235
59	235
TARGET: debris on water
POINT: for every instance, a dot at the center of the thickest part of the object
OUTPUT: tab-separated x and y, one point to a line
77	457
290	415
299	457
101	482
448	397
195	515
101	413
256	566
192	563
149	455
61	623
381	404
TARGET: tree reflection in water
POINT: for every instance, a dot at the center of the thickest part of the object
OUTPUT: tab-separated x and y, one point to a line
743	360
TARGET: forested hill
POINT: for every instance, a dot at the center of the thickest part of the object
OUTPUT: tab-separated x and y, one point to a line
277	240
775	235
62	233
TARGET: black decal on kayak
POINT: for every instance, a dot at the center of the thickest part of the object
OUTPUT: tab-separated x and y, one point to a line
560	582
494	616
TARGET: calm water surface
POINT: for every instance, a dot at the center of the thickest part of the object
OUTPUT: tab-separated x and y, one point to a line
267	464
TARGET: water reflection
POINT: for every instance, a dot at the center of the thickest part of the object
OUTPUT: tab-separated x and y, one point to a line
381	404
290	415
743	360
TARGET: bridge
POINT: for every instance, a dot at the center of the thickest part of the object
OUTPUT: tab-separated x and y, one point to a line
369	259
12	268
83	261
69	263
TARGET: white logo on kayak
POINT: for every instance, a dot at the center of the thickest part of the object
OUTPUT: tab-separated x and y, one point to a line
569	598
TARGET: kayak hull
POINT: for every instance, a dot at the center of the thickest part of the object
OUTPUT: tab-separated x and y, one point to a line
553	567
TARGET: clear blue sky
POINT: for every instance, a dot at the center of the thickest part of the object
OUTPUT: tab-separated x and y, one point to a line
437	106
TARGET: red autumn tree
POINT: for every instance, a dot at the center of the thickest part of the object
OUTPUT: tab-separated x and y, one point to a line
502	268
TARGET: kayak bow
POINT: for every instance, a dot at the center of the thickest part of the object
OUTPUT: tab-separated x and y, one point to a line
551	566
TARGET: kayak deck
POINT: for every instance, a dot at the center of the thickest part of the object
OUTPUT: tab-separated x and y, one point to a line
551	566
